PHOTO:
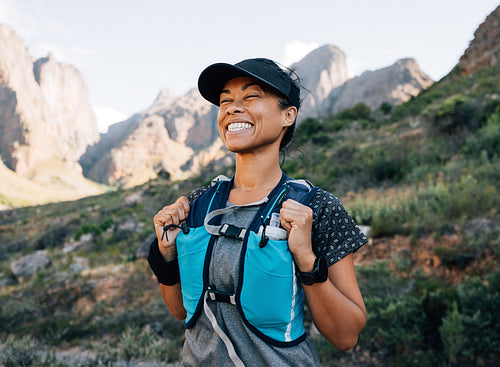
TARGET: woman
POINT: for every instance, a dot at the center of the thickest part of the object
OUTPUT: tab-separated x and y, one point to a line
252	250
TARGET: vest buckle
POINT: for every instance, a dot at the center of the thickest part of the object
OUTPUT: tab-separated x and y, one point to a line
228	230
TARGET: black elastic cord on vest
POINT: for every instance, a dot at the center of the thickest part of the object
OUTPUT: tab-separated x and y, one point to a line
264	239
182	226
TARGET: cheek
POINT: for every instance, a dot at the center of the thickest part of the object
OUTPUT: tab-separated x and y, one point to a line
220	124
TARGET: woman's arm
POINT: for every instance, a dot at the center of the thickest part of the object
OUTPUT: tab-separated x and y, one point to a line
171	214
172	297
336	306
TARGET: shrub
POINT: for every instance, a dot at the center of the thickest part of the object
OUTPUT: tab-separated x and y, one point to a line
451	332
359	112
455	114
478	306
134	343
487	139
95	229
386	108
19	351
14	314
306	130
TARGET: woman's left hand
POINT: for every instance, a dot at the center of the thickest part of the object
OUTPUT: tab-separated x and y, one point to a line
297	219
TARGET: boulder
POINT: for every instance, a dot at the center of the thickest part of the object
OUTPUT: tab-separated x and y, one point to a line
30	264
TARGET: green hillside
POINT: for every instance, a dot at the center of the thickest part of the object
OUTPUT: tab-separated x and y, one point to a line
424	176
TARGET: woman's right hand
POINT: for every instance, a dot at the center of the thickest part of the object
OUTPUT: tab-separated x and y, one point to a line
170	214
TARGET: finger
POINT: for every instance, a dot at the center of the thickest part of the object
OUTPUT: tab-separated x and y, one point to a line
165	217
185	204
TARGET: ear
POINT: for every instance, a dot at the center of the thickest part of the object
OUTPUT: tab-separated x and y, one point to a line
289	115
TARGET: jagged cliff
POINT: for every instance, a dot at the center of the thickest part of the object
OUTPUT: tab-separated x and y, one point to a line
320	71
44	109
177	134
394	84
484	49
46	123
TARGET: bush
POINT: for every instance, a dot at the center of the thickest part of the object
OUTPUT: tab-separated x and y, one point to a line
478	306
395	325
134	343
20	352
486	140
95	229
14	315
455	114
386	108
359	112
451	332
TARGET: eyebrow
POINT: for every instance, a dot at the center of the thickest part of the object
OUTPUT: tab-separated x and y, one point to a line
245	87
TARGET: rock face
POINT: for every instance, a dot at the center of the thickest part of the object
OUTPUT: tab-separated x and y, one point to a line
30	264
44	108
327	89
177	134
320	71
484	50
394	84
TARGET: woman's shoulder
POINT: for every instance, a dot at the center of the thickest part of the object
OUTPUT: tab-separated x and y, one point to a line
196	193
323	199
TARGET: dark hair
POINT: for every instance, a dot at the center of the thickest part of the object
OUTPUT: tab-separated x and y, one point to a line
284	103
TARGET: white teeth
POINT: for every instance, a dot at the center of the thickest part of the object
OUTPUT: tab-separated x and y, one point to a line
238	126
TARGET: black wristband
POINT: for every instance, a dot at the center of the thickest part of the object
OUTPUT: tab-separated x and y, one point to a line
167	272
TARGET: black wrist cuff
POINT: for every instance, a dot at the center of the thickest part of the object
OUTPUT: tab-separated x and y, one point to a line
167	272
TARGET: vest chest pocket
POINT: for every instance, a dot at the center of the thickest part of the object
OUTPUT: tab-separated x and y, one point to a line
271	297
191	250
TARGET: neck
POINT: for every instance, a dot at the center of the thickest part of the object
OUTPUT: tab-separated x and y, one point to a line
255	177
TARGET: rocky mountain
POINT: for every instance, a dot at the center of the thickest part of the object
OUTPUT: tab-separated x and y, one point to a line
177	134
320	71
393	84
327	88
44	109
484	49
46	124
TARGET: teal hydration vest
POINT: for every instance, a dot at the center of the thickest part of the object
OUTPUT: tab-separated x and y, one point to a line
268	295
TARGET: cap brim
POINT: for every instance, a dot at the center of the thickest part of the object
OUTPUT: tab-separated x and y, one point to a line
214	77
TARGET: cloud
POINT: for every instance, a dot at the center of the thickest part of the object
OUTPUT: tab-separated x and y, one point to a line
107	116
296	50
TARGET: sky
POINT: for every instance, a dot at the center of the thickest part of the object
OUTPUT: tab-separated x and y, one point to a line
129	50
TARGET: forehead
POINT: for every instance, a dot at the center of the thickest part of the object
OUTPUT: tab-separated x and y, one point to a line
242	82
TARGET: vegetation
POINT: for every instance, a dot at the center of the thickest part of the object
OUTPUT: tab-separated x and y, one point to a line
424	176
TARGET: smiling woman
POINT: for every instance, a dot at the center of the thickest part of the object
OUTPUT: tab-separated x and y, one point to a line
250	251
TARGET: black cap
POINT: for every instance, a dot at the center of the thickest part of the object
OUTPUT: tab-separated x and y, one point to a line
214	77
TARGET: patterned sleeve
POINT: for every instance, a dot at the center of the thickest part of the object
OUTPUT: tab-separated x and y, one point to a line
335	234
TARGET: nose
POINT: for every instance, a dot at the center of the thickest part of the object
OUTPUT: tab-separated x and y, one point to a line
235	107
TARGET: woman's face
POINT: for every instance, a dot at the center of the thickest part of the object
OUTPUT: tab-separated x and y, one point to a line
250	118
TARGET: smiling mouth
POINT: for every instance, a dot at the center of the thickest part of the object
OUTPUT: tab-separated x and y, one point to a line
238	126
